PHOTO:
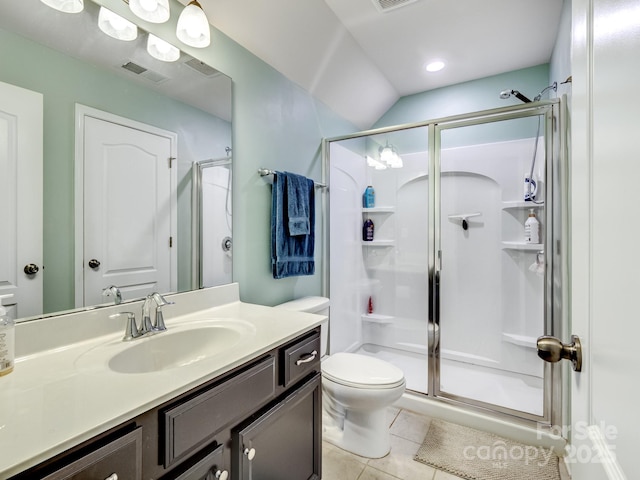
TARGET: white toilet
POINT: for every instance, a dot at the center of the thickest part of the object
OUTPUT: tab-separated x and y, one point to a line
356	391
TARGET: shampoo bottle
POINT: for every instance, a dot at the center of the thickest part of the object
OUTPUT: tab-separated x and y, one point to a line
369	197
7	340
367	230
532	228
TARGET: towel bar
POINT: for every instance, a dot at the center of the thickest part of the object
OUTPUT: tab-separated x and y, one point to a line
266	172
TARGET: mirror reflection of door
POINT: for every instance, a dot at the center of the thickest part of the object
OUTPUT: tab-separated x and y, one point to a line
213	222
20	200
129	208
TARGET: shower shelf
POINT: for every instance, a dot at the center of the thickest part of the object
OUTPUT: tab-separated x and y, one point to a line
526	247
379	210
378	243
377	318
519	204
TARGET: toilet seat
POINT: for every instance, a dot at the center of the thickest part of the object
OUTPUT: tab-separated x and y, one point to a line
361	371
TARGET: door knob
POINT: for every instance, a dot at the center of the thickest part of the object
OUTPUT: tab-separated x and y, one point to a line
551	349
31	269
93	263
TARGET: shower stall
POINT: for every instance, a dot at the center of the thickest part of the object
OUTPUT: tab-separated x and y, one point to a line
449	289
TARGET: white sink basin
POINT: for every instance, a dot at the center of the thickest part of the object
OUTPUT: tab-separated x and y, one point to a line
178	346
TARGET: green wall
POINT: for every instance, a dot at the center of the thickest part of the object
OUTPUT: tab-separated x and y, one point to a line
65	81
276	125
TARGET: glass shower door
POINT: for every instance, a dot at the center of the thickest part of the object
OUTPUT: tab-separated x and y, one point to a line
491	234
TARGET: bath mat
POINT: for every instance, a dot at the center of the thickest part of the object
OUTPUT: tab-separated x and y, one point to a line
477	455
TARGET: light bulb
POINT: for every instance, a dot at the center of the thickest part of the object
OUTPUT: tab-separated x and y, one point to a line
193	26
154	11
161	50
115	26
66	6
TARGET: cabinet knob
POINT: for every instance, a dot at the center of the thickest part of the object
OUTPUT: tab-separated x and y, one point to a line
113	476
222	475
250	453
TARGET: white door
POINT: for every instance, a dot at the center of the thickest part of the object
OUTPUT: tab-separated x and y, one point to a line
605	168
20	199
129	208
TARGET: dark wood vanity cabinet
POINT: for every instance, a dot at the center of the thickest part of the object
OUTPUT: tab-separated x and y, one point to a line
260	421
283	442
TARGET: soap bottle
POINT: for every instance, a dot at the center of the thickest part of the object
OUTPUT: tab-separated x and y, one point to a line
369	197
367	230
532	228
7	340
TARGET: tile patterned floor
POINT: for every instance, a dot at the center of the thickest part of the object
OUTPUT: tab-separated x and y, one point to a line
407	433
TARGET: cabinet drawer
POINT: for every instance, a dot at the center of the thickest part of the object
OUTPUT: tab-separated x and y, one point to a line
197	420
300	358
121	457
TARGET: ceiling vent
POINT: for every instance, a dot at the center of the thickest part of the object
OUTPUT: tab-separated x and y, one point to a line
201	67
150	75
388	5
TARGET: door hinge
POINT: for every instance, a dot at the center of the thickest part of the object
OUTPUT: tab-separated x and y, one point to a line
171	159
170	242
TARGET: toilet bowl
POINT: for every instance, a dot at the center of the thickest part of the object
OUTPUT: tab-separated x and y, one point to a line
356	391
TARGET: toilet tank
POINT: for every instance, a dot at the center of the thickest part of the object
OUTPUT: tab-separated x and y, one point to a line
317	305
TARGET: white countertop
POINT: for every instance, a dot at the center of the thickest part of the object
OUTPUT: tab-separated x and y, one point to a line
57	398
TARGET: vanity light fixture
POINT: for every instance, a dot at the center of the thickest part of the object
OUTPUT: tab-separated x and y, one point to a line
158	48
377	164
115	26
66	6
435	66
153	11
389	156
193	26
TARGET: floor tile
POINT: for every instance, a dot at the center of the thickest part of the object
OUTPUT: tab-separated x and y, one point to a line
338	464
410	426
371	473
440	475
392	413
400	463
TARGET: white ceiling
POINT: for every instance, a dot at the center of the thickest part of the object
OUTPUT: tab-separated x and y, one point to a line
359	60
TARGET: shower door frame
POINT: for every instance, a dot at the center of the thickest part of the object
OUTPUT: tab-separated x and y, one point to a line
553	113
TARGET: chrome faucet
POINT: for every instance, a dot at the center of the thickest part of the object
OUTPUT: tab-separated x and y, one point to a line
113	291
158	325
131	330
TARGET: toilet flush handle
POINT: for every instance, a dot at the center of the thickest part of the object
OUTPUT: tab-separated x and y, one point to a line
307	357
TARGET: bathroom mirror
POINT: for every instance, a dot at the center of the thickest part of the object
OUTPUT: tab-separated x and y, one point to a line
70	61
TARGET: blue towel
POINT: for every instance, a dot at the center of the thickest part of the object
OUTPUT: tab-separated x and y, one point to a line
298	197
292	255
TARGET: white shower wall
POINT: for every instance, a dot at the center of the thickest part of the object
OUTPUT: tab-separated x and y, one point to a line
491	303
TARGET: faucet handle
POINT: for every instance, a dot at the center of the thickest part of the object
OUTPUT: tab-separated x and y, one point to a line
159	325
131	330
114	291
160	300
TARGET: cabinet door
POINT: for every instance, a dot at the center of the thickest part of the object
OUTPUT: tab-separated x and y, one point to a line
284	443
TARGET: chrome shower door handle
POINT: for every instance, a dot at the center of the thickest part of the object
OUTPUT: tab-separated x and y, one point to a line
551	349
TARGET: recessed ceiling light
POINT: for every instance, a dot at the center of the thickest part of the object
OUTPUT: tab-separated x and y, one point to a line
435	66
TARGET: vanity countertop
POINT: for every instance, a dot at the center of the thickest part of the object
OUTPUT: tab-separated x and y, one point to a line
53	401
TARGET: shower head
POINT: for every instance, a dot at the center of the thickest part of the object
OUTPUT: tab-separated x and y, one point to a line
553	86
515	93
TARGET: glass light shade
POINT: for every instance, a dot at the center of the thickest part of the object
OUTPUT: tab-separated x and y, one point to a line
115	26
66	6
193	26
389	155
378	165
158	48
153	11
